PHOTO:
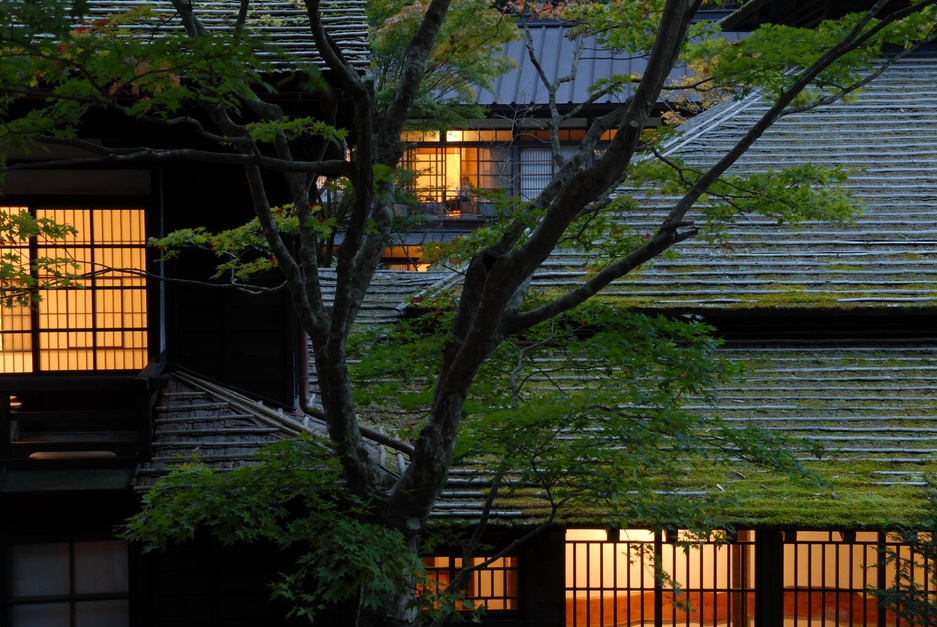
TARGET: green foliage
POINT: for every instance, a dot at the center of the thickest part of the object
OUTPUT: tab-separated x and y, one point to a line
287	498
243	252
797	194
392	365
136	63
592	414
626	27
792	196
769	57
467	54
910	591
584	414
20	278
295	128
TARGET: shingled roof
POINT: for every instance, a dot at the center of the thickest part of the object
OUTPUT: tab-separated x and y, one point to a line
282	22
871	409
887	133
200	421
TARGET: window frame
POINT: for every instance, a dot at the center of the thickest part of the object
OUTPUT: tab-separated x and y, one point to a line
151	295
441	193
503	567
72	597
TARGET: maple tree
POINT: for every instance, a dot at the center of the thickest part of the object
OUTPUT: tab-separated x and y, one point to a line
171	71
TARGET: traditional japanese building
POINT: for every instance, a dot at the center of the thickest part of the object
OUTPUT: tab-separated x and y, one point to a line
106	388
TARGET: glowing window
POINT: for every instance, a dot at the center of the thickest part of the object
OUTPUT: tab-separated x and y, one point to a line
446	173
493	586
95	320
614	578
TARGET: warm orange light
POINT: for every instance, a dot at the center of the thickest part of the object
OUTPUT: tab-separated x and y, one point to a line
100	322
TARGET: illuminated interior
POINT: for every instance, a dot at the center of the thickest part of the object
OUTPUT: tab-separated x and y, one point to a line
405	257
449	174
825	578
98	323
611	580
493	586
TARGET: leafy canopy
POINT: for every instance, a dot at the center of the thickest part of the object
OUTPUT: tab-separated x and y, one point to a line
563	405
286	498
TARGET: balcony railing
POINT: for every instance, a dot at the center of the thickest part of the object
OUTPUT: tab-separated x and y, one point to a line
84	417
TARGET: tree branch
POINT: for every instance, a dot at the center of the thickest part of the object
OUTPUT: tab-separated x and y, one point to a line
667	234
334	167
193	26
854	40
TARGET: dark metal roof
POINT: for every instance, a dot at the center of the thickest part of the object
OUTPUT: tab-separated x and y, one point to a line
556	51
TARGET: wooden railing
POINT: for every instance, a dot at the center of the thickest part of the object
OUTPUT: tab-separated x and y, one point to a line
60	417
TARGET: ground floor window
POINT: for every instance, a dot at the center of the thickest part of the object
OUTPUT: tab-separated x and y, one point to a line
493	586
69	584
646	578
812	578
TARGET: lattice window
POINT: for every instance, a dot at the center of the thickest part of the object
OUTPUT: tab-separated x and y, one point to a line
72	584
449	168
827	576
537	167
615	581
100	323
493	586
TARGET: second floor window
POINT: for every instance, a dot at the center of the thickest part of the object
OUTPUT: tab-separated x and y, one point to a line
97	322
450	168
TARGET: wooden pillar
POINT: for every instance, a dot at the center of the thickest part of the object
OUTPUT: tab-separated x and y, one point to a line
542	579
769	579
6	448
742	579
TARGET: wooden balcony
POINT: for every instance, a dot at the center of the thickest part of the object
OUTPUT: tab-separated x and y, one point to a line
88	420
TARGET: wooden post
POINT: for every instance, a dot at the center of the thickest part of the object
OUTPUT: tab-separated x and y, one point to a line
6	424
741	576
769	578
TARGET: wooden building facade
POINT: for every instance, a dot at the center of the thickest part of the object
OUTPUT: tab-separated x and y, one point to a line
102	390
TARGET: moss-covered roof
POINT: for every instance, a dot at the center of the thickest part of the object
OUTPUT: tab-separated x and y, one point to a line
283	23
887	258
871	411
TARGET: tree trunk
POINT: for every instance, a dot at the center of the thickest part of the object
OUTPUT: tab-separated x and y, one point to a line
397	610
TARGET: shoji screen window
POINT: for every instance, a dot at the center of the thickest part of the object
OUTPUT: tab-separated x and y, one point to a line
96	321
69	584
537	168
